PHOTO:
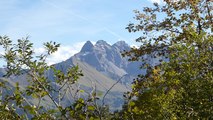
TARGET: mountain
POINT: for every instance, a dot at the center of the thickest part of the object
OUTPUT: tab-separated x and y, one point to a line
107	59
88	46
102	65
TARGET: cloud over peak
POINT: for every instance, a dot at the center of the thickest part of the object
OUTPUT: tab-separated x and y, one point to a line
64	52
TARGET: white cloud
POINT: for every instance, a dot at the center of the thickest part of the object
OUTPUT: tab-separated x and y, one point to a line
156	1
64	52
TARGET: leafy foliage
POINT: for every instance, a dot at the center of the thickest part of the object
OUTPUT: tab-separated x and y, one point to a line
16	101
180	85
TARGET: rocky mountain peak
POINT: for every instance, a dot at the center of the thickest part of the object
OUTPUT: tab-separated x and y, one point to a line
122	45
88	46
101	42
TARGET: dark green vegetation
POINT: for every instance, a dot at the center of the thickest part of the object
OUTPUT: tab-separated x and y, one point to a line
180	88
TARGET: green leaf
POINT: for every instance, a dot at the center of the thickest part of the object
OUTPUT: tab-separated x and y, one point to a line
92	108
82	91
131	103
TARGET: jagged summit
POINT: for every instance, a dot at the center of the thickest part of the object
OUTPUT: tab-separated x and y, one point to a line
120	43
101	42
88	46
108	60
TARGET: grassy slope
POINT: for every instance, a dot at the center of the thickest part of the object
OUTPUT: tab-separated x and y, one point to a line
94	78
91	79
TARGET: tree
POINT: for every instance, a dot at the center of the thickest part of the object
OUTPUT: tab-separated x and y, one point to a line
181	86
18	102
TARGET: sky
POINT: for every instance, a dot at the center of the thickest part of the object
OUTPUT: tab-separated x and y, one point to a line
68	22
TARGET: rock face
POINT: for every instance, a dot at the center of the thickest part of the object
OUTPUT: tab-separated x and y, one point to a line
88	46
107	59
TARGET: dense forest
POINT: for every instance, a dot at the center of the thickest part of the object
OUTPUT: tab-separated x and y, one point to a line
179	87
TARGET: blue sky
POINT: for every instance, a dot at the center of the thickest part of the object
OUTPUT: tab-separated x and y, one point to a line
69	22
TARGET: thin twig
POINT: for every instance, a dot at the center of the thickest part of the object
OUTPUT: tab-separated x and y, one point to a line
103	100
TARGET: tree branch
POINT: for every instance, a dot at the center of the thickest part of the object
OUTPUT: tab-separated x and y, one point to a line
103	100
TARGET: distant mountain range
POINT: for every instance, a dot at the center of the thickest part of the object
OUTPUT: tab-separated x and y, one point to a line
102	65
105	59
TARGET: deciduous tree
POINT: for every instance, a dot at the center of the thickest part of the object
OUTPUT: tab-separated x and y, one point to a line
179	87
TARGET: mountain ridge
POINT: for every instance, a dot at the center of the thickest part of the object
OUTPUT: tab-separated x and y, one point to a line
102	65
